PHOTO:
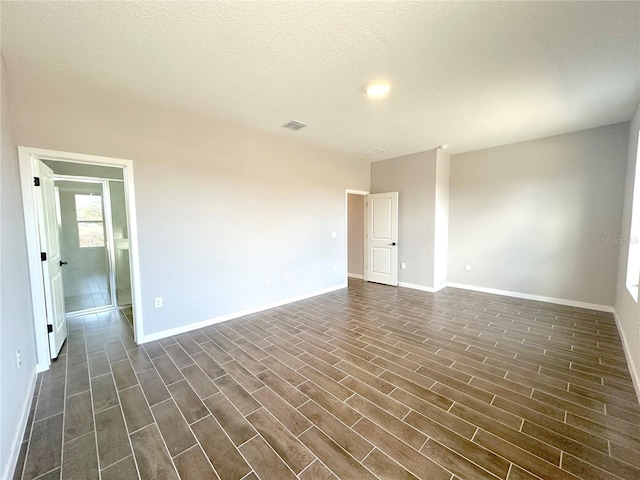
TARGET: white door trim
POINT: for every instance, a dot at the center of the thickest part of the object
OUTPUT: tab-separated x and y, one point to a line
26	158
347	192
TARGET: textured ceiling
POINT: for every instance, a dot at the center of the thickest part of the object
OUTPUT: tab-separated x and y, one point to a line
471	75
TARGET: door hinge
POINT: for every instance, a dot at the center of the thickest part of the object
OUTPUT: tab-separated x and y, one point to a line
36	181
43	256
49	328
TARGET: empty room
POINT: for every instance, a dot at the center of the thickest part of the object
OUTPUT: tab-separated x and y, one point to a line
319	240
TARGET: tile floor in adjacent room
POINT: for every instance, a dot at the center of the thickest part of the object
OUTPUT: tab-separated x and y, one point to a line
365	383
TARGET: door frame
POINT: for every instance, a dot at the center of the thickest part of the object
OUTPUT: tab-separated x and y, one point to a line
27	156
346	229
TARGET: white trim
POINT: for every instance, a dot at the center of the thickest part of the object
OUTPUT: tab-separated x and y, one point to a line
422	288
355	275
633	369
27	157
540	298
19	432
229	316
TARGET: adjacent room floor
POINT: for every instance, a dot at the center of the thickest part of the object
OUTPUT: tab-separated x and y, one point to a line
365	383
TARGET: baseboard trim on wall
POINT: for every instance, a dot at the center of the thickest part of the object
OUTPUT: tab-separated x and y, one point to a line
422	288
633	370
19	434
229	316
539	298
355	275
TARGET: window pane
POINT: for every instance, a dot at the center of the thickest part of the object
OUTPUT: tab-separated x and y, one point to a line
89	207
91	234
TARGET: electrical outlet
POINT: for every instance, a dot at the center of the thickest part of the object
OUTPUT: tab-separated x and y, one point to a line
287	278
403	266
18	358
158	302
268	281
335	268
334	234
467	268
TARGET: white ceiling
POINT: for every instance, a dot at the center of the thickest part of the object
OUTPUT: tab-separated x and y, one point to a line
471	75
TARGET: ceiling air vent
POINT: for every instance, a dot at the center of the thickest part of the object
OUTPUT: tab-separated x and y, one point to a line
369	151
294	125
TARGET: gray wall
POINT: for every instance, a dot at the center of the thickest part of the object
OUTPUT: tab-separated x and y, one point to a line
627	309
220	207
355	233
533	217
414	178
16	317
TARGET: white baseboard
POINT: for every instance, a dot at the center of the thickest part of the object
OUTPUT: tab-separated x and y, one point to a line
19	433
633	368
229	316
355	275
540	298
414	286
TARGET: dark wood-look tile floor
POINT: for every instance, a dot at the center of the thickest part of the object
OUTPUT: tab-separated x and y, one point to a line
370	382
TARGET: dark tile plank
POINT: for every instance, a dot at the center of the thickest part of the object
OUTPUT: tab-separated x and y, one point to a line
199	381
135	409
288	448
123	374
282	410
45	449
112	438
188	401
151	455
125	468
334	457
399	451
104	393
225	458
78	417
80	459
174	429
153	387
265	461
231	420
193	465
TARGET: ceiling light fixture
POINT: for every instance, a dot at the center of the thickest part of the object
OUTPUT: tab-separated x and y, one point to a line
378	89
444	147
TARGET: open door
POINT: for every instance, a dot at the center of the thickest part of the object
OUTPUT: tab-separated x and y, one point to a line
51	257
382	238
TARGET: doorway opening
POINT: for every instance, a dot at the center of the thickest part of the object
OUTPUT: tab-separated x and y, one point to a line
94	240
356	228
88	218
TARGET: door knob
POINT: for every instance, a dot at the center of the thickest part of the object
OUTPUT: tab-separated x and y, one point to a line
393	244
63	263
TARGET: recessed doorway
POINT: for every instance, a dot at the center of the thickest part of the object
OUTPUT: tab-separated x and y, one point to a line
95	227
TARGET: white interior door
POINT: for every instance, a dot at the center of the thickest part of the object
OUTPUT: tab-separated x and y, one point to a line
52	266
382	238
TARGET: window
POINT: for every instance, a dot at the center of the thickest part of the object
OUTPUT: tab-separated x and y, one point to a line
90	220
633	258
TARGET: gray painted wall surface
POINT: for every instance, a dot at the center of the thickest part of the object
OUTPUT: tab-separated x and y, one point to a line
220	207
355	233
627	309
534	217
414	178
16	316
